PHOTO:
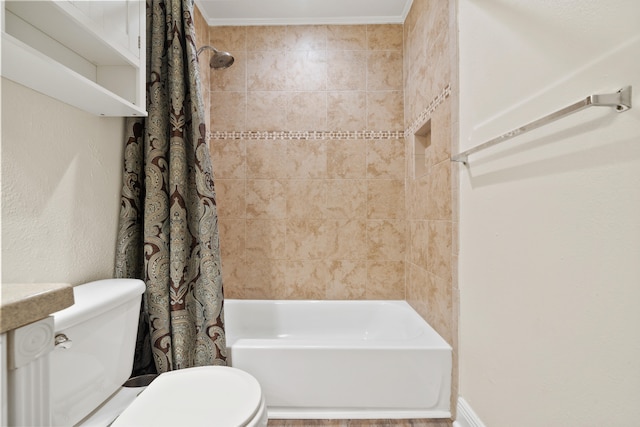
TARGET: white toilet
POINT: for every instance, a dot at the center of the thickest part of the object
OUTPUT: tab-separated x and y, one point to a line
95	343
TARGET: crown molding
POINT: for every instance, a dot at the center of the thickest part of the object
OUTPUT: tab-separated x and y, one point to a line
352	20
356	20
407	9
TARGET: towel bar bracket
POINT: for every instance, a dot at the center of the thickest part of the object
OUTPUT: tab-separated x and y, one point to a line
621	100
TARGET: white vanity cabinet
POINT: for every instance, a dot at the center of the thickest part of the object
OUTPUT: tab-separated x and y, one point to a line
26	339
89	54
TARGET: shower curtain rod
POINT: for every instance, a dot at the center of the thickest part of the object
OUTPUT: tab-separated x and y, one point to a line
621	100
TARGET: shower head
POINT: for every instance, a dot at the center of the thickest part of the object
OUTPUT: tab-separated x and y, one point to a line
220	59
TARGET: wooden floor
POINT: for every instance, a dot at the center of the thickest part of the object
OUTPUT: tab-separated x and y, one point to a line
361	423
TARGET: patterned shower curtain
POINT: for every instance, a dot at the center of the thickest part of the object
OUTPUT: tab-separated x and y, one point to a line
168	232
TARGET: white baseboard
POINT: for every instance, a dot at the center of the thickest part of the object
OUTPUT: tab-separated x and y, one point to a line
465	415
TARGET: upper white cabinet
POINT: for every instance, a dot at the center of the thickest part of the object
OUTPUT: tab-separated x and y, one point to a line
89	54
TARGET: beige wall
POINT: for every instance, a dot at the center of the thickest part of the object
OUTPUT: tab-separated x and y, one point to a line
61	180
549	226
318	217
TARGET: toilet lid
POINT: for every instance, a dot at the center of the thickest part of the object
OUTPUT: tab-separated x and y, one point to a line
203	396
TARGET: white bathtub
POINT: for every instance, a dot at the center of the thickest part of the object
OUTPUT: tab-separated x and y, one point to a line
341	359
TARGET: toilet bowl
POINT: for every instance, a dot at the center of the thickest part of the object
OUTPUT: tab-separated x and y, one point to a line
95	344
203	396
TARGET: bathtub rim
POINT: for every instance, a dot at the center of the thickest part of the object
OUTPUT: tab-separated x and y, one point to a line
439	344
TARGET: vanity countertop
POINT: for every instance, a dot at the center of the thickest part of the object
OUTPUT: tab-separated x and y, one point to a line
25	303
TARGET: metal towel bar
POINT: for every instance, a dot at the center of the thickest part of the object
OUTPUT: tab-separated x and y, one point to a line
621	100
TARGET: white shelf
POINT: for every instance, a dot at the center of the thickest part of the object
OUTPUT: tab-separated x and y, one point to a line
27	66
91	62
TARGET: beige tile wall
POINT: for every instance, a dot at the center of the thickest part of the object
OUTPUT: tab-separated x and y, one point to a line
309	78
319	218
430	70
332	218
430	198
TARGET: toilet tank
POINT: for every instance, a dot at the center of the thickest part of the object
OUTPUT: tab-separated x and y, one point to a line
102	326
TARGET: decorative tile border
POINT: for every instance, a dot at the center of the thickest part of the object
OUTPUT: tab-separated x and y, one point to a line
331	135
313	134
427	112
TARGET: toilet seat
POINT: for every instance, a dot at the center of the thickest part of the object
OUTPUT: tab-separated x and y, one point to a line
204	396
